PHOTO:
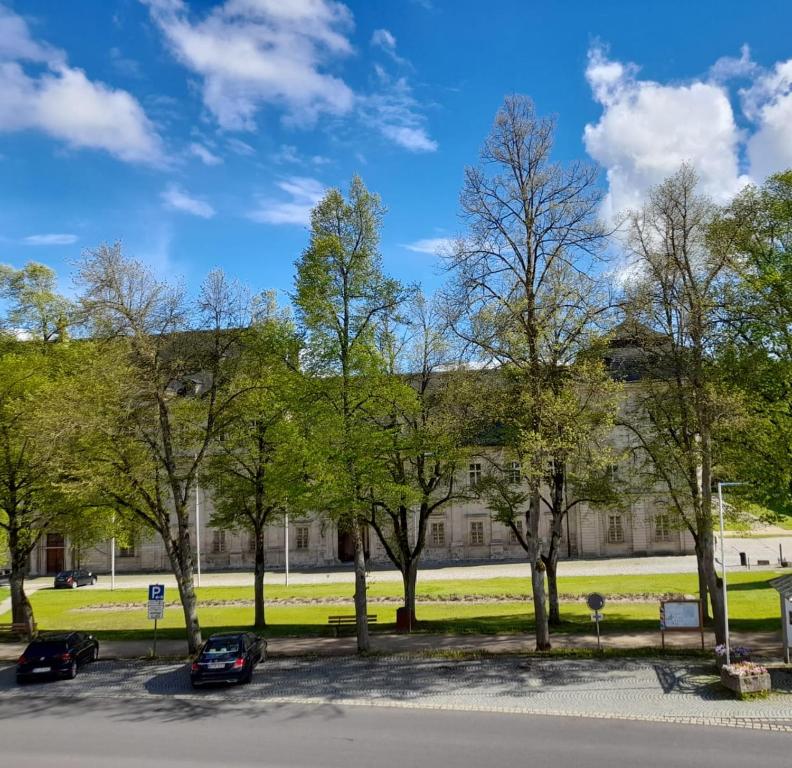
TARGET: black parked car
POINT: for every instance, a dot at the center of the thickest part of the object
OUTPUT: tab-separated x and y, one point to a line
56	655
74	579
228	659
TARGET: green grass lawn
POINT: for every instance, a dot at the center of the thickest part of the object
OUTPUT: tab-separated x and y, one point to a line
4	593
753	606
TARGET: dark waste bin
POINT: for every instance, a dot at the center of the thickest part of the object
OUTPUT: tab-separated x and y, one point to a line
743	559
404	622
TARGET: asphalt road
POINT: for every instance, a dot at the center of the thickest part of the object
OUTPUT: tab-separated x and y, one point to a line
46	732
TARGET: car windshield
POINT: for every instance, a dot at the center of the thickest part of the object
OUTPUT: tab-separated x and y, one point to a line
45	648
221	648
65	574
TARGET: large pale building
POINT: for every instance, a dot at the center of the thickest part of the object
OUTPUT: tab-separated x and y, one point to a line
460	531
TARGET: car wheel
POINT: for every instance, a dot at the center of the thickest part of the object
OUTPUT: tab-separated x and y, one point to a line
94	653
72	673
93	581
248	678
74	585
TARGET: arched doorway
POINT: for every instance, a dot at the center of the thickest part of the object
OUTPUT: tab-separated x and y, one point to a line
55	553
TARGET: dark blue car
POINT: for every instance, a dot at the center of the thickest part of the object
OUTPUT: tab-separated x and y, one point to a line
228	658
56	655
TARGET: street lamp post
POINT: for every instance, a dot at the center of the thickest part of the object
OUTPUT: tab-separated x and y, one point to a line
721	486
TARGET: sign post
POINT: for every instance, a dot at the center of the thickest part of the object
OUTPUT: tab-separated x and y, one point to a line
156	607
596	601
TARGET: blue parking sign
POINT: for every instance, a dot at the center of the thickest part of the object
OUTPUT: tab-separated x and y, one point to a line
156	592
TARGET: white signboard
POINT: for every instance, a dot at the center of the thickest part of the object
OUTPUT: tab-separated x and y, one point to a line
684	614
156	609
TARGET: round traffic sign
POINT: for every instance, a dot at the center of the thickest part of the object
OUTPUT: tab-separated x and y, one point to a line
595	601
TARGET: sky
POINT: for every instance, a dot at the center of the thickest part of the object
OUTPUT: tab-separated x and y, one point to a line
199	134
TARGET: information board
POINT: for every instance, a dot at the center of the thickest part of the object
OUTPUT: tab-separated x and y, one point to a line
684	614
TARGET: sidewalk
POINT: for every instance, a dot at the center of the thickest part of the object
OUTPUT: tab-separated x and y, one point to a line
765	645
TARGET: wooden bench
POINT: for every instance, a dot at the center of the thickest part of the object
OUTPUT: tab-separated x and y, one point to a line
19	629
348	620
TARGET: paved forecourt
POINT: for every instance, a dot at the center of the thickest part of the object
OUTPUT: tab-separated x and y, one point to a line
659	690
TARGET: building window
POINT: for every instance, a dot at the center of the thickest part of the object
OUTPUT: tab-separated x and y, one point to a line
476	532
513	537
301	537
218	542
613	472
438	534
662	528
127	551
513	474
474	473
615	529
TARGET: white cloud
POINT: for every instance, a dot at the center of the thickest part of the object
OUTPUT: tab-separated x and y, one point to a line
393	111
647	130
175	197
288	154
382	38
432	245
240	147
62	102
50	239
205	155
124	65
768	103
250	53
304	193
729	68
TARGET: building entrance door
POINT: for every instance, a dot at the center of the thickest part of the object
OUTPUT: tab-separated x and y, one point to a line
346	545
55	551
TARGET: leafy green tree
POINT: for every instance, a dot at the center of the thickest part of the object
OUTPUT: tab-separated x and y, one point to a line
341	297
34	372
35	308
258	470
422	417
755	354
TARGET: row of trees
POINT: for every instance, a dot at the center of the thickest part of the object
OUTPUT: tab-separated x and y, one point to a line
364	404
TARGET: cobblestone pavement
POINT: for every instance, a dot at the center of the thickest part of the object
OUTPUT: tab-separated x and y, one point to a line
658	691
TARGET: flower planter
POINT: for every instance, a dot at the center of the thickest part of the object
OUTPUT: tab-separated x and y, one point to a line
742	684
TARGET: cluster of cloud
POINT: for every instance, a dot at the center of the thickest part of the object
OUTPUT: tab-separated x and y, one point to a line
61	101
254	52
647	129
251	54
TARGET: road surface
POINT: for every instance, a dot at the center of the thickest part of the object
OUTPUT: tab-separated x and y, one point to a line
67	733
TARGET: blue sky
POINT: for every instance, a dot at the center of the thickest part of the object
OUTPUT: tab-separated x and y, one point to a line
199	134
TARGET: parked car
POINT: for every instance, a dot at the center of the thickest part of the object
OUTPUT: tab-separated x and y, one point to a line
228	658
56	655
74	579
5	575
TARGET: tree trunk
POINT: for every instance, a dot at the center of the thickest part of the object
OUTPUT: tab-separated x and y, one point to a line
21	609
409	578
715	590
537	577
259	619
703	587
551	563
180	554
361	602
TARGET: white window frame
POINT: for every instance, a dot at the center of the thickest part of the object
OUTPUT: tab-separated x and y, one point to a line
477	537
302	537
475	473
437	533
218	541
615	530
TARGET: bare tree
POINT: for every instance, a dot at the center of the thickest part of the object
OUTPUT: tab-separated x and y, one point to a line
531	225
677	298
161	396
